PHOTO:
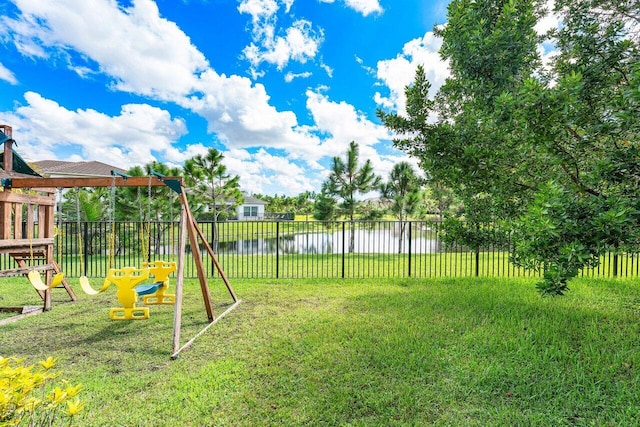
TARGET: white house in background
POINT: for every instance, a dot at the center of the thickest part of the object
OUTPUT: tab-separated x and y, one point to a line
251	209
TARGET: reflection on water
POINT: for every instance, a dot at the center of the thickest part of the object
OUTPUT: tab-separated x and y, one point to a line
364	241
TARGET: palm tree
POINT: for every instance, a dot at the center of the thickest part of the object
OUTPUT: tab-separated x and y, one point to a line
87	205
403	193
346	181
304	203
212	185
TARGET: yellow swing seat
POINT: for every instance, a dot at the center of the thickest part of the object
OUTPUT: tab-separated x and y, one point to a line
36	280
88	289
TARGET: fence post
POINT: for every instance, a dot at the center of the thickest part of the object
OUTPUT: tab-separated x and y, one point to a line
343	246
409	249
477	261
615	264
277	249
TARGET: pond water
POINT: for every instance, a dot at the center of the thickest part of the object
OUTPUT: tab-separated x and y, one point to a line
364	241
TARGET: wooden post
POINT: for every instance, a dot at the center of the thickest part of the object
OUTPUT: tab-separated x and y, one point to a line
195	251
215	262
8	150
177	313
5	223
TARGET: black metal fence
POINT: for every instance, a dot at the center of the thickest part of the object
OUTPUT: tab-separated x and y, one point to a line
296	249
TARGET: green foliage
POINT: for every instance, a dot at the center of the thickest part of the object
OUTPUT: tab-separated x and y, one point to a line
28	397
551	151
212	188
302	204
403	194
210	183
210	216
563	232
86	204
346	181
144	203
402	191
324	207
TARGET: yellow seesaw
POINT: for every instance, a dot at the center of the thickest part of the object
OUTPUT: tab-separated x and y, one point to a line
129	281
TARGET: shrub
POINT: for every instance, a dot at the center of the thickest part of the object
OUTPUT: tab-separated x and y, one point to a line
29	397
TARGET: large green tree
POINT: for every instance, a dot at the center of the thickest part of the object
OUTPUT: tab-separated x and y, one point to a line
550	150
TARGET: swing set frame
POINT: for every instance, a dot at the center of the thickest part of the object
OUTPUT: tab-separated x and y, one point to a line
188	228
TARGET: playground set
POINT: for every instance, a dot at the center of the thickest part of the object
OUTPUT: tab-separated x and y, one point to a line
27	202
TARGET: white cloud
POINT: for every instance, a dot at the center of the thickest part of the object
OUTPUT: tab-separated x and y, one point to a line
549	21
343	123
399	72
327	70
340	123
299	43
156	59
7	75
548	50
266	173
240	114
289	77
153	56
130	138
365	7
274	45
259	9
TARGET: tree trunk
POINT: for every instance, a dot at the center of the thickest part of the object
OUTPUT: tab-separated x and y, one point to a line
403	225
215	239
352	236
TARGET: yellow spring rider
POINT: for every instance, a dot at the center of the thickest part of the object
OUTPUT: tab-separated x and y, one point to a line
129	281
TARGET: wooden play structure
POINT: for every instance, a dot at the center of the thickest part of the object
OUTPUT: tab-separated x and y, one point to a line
27	227
29	238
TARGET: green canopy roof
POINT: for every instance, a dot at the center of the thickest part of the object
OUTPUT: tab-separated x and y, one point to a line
19	165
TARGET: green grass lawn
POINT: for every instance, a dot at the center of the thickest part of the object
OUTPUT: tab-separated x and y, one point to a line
377	352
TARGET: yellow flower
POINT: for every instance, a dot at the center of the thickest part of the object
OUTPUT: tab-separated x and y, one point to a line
31	404
5	397
74	407
58	396
49	363
72	391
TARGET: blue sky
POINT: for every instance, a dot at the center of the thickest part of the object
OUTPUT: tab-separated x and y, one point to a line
279	86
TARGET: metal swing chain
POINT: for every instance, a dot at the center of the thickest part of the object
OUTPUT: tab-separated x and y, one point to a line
30	229
148	242
79	231
58	232
141	233
112	210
